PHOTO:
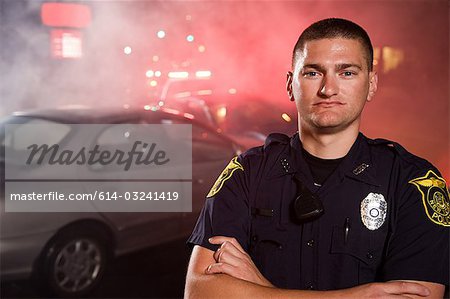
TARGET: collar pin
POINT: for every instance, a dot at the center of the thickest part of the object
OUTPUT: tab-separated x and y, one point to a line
360	168
285	164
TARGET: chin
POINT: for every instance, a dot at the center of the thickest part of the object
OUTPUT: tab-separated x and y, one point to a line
327	122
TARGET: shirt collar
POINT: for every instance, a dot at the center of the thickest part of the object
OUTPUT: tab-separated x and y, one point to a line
356	165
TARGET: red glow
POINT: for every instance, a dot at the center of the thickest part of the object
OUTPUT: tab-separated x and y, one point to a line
171	111
65	15
188	115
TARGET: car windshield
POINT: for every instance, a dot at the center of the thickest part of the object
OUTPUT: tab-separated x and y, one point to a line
205	89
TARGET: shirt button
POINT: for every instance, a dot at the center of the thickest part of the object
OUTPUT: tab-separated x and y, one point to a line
280	247
311	286
255	238
369	255
310	243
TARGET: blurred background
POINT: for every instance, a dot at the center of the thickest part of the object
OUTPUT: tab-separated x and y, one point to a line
222	64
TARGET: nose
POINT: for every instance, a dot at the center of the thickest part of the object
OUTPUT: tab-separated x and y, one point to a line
329	86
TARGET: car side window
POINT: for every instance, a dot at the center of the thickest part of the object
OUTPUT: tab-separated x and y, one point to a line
35	131
207	145
19	137
117	135
120	137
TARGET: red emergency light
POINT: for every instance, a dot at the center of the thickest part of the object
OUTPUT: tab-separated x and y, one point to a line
65	15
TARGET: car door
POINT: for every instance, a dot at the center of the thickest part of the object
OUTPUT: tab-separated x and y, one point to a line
135	229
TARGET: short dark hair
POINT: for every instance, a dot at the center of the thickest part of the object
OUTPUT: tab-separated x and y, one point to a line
335	28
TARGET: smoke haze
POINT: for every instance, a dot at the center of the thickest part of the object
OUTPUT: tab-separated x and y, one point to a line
248	47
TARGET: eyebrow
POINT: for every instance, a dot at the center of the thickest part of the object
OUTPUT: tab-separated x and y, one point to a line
338	67
343	66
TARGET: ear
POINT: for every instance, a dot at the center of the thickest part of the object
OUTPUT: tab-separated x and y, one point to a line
289	79
373	85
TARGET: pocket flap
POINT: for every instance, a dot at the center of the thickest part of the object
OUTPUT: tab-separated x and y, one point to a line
265	230
356	245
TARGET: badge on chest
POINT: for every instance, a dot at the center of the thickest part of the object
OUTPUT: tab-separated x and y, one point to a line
373	211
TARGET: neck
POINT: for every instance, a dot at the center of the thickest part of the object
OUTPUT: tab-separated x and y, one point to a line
333	145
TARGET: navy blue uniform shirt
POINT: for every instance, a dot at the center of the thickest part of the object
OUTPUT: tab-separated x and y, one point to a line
386	216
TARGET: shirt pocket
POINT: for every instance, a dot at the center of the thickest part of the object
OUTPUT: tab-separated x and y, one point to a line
356	256
268	249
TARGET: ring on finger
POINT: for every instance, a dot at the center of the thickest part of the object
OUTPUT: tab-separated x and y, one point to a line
219	255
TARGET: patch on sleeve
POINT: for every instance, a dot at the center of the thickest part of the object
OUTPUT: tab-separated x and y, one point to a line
225	175
435	197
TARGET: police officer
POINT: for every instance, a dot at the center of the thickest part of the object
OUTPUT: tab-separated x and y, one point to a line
327	212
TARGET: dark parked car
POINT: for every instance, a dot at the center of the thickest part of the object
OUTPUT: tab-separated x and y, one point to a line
68	251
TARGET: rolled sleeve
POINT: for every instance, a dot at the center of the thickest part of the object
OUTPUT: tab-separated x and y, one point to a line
226	213
419	246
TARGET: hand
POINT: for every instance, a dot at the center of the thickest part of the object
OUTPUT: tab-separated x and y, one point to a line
390	289
231	259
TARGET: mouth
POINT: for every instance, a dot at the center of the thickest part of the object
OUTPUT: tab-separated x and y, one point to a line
328	104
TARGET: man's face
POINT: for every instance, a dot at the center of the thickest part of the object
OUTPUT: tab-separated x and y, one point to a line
330	84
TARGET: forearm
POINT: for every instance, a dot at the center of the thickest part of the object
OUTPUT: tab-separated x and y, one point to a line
225	286
201	282
222	286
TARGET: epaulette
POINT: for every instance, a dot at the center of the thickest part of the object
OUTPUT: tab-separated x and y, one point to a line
392	144
401	151
276	138
381	141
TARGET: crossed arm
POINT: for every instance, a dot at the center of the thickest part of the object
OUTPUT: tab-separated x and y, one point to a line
229	272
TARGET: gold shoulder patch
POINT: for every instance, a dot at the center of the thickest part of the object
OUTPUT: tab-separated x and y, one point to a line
225	175
435	197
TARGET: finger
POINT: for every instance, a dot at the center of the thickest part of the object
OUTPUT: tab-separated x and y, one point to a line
407	288
231	252
231	248
227	257
220	268
218	254
396	297
222	239
219	239
237	245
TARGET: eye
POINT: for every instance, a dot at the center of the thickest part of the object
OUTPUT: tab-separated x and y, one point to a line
310	74
348	73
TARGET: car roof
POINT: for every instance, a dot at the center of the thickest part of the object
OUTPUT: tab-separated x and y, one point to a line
88	115
81	114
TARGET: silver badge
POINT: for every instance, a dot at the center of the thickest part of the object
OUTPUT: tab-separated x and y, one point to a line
373	211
